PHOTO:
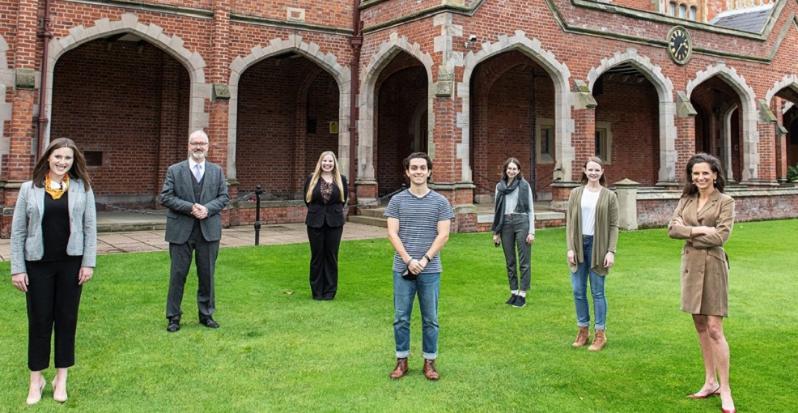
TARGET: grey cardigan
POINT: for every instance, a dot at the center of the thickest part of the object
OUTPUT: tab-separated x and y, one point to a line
27	241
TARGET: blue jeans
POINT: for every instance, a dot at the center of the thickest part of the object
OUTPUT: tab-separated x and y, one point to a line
579	283
404	292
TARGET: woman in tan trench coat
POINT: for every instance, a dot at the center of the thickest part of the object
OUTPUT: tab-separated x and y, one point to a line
704	218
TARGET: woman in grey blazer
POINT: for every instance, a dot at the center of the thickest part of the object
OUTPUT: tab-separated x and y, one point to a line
53	249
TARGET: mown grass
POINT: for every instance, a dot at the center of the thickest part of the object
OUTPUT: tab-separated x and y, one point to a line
278	350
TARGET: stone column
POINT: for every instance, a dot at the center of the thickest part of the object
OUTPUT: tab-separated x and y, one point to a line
627	203
766	127
781	140
22	97
685	133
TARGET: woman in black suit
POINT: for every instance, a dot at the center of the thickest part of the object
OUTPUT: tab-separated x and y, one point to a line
326	192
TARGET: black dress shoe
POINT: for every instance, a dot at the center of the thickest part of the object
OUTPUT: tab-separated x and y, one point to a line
174	324
209	322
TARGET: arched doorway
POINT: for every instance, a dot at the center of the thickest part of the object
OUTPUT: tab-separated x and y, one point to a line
627	125
287	114
125	103
512	114
401	121
718	124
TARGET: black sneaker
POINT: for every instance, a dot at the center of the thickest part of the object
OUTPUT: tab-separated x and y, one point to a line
512	299
519	302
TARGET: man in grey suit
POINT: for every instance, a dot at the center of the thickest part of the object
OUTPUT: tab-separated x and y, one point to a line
195	192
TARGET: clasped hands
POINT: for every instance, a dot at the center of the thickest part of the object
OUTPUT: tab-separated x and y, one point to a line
415	266
199	211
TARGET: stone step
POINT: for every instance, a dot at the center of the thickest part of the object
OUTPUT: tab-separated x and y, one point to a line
372	212
367	220
539	216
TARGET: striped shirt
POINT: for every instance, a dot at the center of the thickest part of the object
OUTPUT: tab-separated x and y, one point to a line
418	225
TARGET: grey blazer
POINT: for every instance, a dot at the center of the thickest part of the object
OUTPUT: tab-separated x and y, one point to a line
178	196
27	241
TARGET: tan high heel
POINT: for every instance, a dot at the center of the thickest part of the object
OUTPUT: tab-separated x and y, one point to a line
33	400
56	398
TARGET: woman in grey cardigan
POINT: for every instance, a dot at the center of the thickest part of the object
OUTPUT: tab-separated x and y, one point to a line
514	228
53	249
592	230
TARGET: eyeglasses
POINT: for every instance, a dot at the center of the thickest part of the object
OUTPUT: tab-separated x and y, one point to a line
198	143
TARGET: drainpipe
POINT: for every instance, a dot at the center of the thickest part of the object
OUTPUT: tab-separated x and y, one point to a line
46	34
355	42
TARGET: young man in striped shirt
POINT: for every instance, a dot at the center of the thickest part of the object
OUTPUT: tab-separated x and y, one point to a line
418	228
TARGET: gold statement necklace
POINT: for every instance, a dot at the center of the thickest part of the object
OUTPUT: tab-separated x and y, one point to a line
56	189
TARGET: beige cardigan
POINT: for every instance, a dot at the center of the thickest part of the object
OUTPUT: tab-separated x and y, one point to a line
605	236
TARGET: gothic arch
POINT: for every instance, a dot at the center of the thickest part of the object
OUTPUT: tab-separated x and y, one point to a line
667	109
748	113
564	125
788	81
311	51
152	33
367	100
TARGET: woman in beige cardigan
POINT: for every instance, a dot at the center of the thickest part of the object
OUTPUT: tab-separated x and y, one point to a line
704	218
592	232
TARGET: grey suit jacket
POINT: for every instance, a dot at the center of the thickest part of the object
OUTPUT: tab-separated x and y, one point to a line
178	196
27	240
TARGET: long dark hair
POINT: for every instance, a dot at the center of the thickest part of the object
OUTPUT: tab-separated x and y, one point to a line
714	163
596	159
506	164
77	171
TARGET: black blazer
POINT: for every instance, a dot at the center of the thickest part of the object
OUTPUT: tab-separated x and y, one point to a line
318	212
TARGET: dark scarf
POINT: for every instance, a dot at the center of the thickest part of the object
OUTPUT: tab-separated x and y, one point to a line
501	191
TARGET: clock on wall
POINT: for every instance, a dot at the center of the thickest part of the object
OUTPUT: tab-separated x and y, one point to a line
680	45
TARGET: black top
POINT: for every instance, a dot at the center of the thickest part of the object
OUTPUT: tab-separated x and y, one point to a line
55	227
330	212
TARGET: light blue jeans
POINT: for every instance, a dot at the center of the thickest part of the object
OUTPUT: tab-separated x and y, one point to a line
404	291
579	283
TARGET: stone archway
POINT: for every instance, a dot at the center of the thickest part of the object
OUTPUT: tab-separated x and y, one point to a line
152	33
667	109
311	51
368	99
560	75
748	113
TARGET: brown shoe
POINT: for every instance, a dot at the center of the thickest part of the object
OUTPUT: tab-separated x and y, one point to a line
581	337
599	342
429	370
400	370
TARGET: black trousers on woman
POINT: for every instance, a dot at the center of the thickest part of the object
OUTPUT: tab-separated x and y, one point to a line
53	298
324	243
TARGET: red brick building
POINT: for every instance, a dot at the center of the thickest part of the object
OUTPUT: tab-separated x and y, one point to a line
642	83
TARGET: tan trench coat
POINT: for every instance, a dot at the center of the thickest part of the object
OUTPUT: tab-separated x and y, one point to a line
705	276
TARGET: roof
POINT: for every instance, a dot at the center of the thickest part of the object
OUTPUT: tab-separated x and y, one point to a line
751	19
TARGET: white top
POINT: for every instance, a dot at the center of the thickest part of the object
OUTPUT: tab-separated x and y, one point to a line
193	167
511	201
588	203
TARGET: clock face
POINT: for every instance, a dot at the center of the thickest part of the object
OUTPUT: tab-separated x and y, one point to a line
679	45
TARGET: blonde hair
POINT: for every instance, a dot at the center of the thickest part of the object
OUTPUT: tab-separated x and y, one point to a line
336	173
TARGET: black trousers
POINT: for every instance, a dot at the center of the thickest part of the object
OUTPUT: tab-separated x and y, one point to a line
205	253
324	243
53	298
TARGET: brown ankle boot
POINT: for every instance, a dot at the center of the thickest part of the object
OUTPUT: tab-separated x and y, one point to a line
429	370
581	337
400	370
599	342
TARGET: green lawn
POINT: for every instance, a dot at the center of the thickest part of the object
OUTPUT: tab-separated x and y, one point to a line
278	350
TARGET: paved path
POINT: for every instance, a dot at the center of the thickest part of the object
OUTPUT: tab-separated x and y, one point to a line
136	241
